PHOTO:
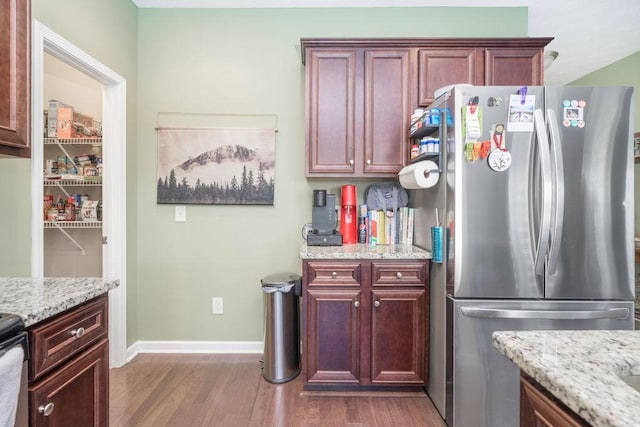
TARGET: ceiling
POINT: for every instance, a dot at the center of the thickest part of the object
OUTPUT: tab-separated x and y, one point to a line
588	34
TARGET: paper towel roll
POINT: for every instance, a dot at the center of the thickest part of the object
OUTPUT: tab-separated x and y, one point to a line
423	174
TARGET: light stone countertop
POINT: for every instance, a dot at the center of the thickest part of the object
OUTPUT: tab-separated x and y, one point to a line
39	299
363	251
581	369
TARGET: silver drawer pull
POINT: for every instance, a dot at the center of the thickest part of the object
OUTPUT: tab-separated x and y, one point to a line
78	332
334	274
398	275
46	409
376	304
356	303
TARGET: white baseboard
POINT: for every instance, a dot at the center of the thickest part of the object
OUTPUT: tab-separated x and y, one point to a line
222	347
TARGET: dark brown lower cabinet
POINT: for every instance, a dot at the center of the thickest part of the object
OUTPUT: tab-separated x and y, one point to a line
397	334
538	408
69	368
365	324
78	393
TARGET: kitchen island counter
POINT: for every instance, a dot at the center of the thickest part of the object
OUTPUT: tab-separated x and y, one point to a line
363	251
39	299
582	369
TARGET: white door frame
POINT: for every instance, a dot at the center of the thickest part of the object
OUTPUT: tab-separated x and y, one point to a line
114	90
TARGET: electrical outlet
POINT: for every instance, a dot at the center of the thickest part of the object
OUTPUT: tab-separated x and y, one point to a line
217	306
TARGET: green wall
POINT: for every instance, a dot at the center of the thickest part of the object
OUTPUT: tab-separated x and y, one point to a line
234	61
622	73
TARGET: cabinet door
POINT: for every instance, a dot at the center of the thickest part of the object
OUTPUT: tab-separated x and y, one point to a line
398	336
78	391
441	67
513	67
15	78
330	111
332	336
386	110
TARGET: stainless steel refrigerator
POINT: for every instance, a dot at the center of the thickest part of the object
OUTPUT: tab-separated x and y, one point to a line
538	235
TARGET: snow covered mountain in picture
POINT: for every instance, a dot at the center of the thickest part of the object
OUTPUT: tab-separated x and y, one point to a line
200	167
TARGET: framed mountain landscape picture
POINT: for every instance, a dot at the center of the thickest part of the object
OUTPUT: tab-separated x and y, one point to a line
216	166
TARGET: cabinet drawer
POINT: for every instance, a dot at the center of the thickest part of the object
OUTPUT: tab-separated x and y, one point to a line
333	273
57	340
399	273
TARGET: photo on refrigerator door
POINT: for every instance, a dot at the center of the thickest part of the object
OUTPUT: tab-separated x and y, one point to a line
216	166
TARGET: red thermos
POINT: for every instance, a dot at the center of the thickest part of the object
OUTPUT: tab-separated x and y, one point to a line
349	215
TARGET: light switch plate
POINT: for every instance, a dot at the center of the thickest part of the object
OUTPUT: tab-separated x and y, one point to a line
181	213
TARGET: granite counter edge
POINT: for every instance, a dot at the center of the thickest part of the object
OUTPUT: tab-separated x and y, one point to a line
44	313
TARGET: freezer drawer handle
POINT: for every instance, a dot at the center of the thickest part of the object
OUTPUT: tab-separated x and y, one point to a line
495	313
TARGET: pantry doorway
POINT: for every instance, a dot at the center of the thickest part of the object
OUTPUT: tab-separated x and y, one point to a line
113	184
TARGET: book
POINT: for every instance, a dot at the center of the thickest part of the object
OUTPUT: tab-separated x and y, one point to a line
373	227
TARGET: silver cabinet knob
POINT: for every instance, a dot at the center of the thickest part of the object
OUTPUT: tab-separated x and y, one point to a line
46	409
78	332
351	162
334	274
368	162
398	275
356	303
376	304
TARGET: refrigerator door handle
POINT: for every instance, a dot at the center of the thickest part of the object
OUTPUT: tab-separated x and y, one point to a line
496	313
545	166
557	166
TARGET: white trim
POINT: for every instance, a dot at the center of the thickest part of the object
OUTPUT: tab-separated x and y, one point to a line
195	347
114	184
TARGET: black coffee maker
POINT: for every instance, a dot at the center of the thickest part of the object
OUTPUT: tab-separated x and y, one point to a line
324	221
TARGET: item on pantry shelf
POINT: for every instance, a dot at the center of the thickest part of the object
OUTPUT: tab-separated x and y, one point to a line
60	206
52	117
47	204
70	210
52	214
62	164
52	167
90	210
65	122
90	171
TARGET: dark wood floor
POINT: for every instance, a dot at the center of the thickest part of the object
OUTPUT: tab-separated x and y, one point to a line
228	390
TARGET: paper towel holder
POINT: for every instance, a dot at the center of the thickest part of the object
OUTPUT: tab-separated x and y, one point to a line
436	157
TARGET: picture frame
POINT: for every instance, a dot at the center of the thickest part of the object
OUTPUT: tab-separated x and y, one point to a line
216	166
636	147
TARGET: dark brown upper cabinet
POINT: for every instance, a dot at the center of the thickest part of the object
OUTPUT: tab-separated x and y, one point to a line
15	78
360	93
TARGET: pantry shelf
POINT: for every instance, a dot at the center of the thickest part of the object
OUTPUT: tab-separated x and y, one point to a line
72	224
73	141
72	182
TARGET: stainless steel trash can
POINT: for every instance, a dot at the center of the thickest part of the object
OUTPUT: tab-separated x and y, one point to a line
281	362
